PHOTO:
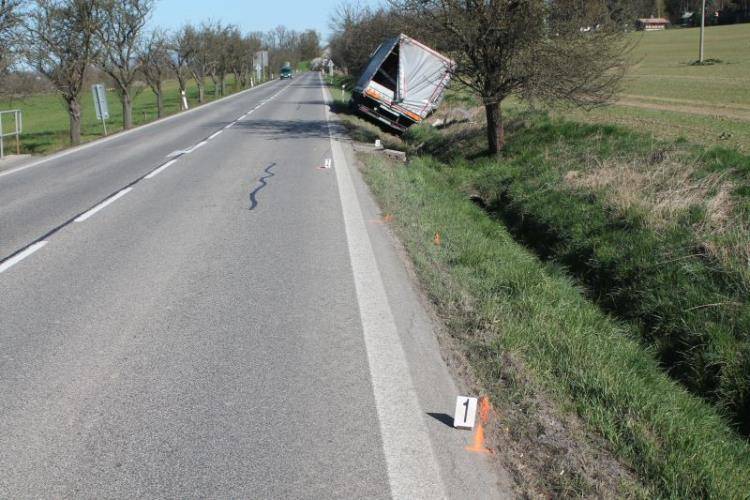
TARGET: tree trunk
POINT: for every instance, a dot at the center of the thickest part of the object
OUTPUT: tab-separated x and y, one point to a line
201	95
183	91
127	110
74	111
159	101
495	127
222	83
217	89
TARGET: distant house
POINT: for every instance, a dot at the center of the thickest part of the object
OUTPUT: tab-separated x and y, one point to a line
651	24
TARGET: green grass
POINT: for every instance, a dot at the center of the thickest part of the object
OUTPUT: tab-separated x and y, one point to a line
498	298
657	232
46	120
709	105
662	65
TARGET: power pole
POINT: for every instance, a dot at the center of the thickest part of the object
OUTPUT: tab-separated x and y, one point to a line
703	28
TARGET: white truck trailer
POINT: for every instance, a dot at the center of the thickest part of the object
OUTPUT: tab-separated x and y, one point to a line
403	83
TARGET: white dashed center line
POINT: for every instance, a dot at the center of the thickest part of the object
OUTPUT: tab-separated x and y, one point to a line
103	204
160	169
22	255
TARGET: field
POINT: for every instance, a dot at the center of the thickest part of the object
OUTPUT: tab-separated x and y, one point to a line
666	95
46	120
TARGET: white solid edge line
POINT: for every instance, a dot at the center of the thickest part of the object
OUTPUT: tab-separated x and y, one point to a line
161	169
18	258
103	204
412	469
230	125
124	133
214	135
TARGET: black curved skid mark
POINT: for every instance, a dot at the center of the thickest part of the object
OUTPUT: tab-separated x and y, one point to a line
263	183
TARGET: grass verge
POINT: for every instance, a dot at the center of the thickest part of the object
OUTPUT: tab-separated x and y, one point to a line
502	303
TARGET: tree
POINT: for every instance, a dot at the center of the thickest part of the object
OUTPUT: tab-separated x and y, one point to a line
309	45
120	35
218	44
358	30
535	49
10	24
200	59
154	61
180	52
61	37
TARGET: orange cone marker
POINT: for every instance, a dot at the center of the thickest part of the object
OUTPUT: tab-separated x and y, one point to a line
484	418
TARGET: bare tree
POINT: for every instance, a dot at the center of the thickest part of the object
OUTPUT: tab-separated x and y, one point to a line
535	49
236	60
154	61
201	58
216	39
180	52
10	23
120	34
61	37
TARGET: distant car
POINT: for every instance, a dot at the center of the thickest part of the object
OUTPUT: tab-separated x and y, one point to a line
286	73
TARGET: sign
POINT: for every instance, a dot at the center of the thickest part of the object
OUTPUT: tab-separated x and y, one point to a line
466	412
100	101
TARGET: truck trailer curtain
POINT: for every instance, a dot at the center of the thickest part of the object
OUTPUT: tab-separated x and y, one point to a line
420	73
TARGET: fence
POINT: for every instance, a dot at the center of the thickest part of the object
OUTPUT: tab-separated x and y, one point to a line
17	130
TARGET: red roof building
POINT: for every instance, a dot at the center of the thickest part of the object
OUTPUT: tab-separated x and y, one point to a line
651	24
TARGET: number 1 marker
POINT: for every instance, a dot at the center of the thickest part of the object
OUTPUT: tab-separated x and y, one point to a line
466	412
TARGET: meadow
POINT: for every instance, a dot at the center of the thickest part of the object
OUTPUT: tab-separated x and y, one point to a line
666	94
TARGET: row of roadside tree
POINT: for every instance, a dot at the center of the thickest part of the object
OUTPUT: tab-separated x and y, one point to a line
64	41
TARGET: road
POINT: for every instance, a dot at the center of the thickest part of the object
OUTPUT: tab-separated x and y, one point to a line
200	308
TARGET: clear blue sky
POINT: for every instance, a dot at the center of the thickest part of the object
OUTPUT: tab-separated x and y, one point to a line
249	15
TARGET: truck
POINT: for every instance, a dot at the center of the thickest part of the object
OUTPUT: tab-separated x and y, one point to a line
403	82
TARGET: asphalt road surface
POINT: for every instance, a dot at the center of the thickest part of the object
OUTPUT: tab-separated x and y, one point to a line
200	308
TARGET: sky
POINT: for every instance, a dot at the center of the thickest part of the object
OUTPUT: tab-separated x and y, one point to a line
249	15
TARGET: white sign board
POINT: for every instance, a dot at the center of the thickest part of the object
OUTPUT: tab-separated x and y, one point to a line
466	412
100	101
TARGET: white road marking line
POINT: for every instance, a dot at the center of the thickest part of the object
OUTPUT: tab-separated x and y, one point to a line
199	145
19	257
213	136
327	163
412	469
161	169
175	153
103	204
230	125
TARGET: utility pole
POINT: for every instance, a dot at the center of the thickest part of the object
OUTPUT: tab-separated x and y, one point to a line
703	28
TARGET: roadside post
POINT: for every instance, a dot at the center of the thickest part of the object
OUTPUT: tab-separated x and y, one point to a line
17	130
100	104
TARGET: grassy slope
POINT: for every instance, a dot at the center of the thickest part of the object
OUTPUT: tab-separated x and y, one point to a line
662	75
499	299
46	121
